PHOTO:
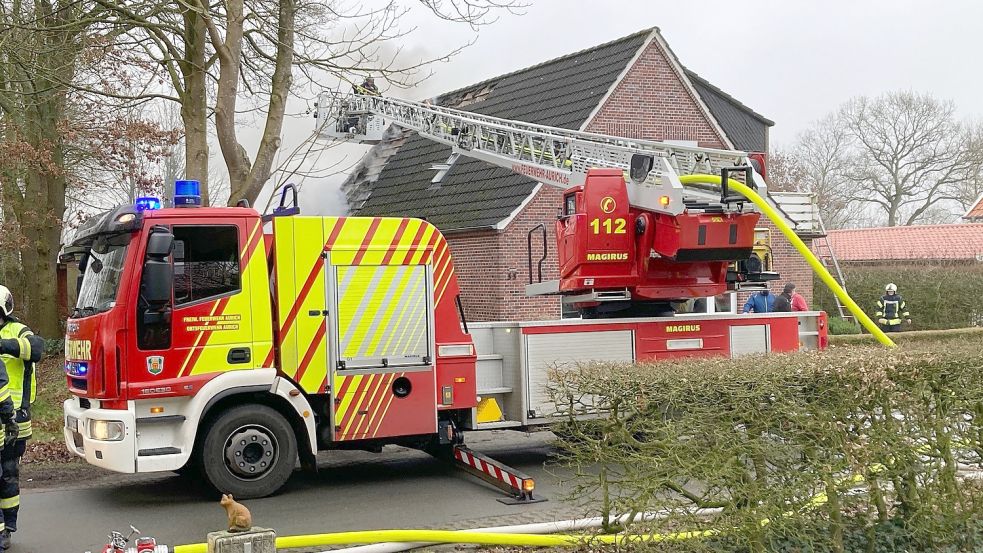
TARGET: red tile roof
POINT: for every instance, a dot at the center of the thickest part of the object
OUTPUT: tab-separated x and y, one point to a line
943	242
975	212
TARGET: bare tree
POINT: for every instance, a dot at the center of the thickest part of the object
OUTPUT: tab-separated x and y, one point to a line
239	58
970	190
819	163
910	154
38	40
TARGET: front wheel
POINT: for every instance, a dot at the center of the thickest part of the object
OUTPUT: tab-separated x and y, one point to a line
249	452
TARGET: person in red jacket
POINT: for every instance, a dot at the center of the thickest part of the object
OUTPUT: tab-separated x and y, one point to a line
790	300
798	302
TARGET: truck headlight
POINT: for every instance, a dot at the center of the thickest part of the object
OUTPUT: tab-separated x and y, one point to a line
107	431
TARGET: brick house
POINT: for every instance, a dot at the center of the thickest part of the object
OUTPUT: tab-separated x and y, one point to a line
633	87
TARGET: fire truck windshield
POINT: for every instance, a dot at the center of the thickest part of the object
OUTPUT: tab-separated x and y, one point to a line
100	282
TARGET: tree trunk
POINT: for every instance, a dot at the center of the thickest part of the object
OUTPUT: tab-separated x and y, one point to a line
44	213
194	105
194	115
250	184
229	51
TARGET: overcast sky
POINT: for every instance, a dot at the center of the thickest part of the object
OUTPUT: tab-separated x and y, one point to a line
792	61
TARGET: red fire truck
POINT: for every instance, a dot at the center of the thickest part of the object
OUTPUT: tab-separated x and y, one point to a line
231	343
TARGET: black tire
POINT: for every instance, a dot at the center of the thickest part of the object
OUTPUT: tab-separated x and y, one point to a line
249	452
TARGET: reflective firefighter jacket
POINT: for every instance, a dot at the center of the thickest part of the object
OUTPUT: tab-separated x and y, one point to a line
21	349
892	308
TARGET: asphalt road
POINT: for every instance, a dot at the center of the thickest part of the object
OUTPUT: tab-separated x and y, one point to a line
398	488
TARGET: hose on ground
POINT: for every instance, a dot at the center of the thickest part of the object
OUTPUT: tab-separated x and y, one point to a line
476	538
554	527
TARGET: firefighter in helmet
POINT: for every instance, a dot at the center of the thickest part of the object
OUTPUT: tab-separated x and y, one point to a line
892	310
20	349
367	87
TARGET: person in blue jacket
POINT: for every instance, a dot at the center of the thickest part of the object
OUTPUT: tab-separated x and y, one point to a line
760	302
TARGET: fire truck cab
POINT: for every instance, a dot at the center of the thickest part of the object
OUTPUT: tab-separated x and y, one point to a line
202	342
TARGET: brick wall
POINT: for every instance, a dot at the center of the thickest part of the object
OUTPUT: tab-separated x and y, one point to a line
652	103
480	272
492	267
543	208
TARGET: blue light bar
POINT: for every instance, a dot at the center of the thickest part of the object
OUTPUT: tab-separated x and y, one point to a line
187	193
148	203
76	368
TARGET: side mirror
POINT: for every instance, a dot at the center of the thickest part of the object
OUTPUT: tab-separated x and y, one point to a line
159	244
158	280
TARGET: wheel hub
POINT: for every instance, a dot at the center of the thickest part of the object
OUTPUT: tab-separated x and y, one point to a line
251	451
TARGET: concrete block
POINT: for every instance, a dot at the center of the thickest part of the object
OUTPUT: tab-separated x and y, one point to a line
256	540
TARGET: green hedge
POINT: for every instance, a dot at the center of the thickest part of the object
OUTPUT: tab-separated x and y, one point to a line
850	449
938	296
909	337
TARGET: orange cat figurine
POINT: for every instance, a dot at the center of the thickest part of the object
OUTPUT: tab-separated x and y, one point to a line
239	518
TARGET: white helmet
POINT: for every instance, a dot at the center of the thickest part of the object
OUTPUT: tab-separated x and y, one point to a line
892	287
6	301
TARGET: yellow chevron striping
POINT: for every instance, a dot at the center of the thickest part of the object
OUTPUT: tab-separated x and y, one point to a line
376	403
364	398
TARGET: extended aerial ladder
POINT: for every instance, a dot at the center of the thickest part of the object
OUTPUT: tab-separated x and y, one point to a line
636	234
550	155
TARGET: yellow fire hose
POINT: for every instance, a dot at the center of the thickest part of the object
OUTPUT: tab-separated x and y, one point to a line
451	536
804	250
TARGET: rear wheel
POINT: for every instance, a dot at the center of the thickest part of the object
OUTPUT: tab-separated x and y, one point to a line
249	452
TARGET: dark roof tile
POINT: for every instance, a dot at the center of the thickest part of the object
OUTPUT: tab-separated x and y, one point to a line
745	128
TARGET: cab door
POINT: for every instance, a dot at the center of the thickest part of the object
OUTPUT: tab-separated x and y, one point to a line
210	314
381	358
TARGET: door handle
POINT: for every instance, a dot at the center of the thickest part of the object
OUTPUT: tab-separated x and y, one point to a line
238	356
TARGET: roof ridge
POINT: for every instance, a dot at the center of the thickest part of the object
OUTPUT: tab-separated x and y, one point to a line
694	75
547	62
978	204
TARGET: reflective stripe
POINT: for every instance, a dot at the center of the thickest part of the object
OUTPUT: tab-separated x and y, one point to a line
20	372
4	394
10	502
24	429
25	348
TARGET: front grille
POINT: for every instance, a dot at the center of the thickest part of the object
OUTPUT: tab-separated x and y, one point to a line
84	403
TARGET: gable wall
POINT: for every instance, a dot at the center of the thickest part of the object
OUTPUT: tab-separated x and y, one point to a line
652	102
